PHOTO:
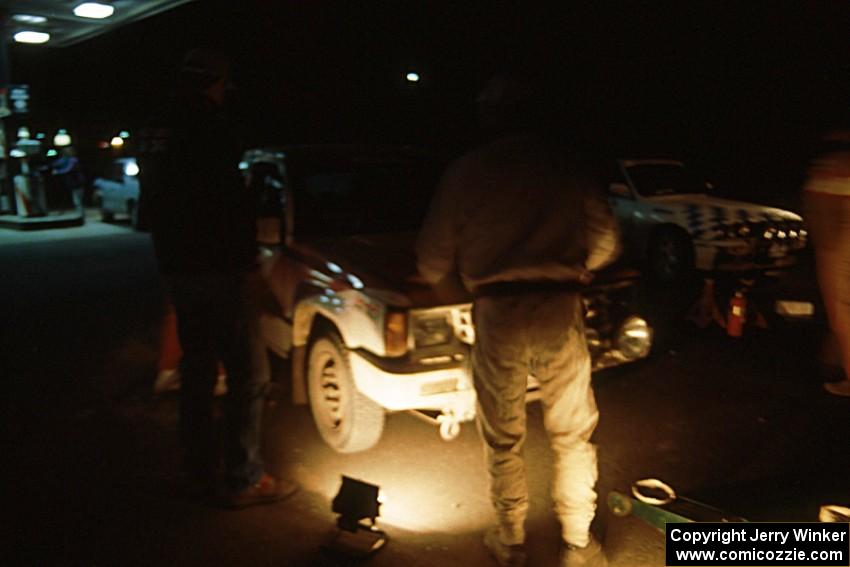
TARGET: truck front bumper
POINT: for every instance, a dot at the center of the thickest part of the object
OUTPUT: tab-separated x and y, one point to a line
447	390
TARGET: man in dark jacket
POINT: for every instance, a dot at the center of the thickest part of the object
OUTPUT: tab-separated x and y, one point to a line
522	223
200	215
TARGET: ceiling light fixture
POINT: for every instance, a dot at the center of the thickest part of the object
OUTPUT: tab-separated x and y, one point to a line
28	36
94	10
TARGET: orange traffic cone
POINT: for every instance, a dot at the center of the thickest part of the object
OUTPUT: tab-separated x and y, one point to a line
168	376
170	353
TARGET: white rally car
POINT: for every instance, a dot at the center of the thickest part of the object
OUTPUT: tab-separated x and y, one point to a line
669	219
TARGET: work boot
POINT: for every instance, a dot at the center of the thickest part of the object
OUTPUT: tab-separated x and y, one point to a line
841	388
505	555
265	491
590	555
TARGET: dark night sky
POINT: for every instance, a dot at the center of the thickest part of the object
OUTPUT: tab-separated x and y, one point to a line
741	88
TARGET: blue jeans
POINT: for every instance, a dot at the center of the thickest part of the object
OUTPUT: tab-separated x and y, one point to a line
217	320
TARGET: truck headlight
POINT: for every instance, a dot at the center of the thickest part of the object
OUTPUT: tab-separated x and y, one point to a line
634	338
432	330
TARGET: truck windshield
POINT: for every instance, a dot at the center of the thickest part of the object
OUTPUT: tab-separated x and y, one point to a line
362	196
658	179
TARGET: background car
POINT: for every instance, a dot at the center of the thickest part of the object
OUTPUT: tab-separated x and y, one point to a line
672	224
118	192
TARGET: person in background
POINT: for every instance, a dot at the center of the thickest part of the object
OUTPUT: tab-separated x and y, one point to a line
522	223
67	169
201	219
826	199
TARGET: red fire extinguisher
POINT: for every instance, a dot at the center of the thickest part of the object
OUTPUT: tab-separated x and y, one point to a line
737	315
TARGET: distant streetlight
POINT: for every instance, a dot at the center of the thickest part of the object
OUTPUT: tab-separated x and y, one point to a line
94	10
124	134
117	142
413	77
29	36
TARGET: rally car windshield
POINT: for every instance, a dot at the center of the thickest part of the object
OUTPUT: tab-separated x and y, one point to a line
363	196
659	179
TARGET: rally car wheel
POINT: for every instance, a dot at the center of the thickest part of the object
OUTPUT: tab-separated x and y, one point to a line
105	215
671	256
347	420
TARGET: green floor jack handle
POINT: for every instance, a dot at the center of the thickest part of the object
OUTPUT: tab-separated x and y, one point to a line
657	504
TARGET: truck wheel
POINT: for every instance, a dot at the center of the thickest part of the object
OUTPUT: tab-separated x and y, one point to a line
671	256
97	201
347	420
133	213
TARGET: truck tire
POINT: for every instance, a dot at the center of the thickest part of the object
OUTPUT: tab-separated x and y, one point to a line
133	213
347	420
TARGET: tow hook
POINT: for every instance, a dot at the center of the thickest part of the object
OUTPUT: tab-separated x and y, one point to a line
449	426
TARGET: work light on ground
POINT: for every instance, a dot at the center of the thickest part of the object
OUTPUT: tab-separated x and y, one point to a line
358	506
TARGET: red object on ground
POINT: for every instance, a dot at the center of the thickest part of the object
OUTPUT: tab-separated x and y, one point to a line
737	315
169	344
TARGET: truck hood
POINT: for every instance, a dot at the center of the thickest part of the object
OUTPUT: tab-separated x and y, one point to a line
385	265
721	210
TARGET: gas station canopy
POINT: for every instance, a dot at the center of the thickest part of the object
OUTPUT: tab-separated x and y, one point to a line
69	22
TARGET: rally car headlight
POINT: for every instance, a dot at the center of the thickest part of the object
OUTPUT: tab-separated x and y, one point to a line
432	330
634	338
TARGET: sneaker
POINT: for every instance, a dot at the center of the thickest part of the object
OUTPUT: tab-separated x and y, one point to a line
265	491
590	555
505	555
838	388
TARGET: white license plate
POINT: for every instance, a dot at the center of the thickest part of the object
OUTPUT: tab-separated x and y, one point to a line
795	308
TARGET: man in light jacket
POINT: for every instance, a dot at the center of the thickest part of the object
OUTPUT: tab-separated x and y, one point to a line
523	223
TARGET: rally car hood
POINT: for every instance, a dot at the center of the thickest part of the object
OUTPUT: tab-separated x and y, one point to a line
385	264
723	210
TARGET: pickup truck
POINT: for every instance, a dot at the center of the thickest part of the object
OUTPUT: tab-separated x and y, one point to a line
364	335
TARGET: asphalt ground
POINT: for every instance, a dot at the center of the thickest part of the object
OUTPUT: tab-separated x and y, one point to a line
92	454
